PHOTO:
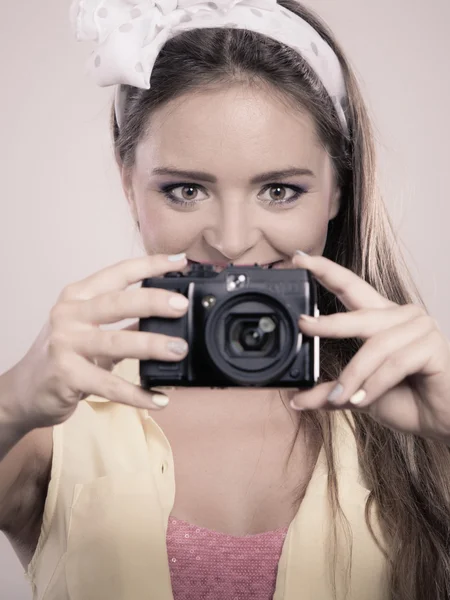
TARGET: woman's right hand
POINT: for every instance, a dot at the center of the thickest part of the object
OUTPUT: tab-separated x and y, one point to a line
72	357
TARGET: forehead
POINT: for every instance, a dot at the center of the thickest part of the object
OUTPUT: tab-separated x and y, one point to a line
230	128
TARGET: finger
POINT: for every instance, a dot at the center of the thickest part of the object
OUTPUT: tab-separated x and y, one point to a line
106	362
125	304
407	361
159	399
311	399
375	352
127	344
362	323
397	408
120	276
352	291
93	380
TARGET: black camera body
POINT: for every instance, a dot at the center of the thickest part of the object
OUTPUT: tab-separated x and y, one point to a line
241	327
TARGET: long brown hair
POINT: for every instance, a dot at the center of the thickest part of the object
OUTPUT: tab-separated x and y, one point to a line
409	477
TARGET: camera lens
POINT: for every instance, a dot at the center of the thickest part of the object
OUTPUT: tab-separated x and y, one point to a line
248	336
251	337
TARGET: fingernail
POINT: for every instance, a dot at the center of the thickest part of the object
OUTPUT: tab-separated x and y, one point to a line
358	397
335	393
301	253
176	257
160	400
308	318
295	407
177	347
178	301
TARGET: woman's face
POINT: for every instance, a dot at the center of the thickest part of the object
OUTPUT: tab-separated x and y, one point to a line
232	206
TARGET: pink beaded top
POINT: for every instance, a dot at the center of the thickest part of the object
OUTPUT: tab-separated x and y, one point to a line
209	565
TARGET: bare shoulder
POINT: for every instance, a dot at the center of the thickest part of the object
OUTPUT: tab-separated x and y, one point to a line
24	478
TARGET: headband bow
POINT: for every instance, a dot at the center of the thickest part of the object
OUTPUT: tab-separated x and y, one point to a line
130	34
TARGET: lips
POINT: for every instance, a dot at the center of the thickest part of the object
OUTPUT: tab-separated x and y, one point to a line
219	267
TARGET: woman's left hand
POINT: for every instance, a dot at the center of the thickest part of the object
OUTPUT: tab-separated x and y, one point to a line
401	374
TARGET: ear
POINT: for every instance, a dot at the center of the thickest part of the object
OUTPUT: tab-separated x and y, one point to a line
335	204
127	185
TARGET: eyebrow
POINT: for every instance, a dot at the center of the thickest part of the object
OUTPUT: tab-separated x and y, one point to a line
201	176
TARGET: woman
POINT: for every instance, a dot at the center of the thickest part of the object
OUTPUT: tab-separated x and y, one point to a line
344	489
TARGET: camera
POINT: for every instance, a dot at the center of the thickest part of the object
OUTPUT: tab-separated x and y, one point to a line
241	327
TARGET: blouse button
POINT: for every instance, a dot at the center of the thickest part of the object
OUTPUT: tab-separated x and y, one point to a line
164	466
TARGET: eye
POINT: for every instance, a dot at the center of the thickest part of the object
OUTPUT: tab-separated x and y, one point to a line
280	197
189	194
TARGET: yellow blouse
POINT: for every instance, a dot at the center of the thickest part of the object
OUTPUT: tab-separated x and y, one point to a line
111	492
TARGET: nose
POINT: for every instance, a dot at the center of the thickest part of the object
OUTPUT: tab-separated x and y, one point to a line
234	231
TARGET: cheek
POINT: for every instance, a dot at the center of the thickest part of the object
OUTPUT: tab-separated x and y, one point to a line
298	230
168	232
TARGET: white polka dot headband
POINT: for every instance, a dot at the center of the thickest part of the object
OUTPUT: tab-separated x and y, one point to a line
130	34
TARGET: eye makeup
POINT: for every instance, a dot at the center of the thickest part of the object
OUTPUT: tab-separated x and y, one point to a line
167	191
